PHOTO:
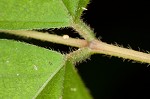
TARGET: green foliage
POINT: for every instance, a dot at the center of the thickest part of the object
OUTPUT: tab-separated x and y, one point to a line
29	71
75	7
24	68
73	86
39	14
66	84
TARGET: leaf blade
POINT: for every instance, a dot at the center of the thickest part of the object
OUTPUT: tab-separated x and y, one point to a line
54	88
75	7
22	72
74	88
65	85
39	14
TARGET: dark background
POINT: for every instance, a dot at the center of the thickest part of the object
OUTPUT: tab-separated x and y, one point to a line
125	23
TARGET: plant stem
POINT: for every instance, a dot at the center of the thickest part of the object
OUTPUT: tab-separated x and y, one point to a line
93	46
79	55
48	37
84	30
108	49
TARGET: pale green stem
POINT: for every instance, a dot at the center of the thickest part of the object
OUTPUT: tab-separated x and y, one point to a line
84	30
108	49
79	55
48	37
93	46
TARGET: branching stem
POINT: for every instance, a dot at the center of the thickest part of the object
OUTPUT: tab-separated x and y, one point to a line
89	46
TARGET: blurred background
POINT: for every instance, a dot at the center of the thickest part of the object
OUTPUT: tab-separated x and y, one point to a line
125	23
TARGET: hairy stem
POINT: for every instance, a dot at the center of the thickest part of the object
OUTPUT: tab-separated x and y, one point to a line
48	37
93	46
108	49
79	55
84	30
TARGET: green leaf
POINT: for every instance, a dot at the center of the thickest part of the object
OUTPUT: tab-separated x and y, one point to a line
66	84
38	14
28	71
73	86
25	69
75	7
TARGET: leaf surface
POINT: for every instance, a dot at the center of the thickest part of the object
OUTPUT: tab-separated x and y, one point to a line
75	7
39	14
67	84
25	69
28	72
